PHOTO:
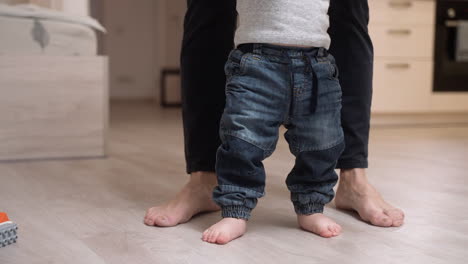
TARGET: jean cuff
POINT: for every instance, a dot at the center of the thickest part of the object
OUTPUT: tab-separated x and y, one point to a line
200	166
352	164
308	209
236	211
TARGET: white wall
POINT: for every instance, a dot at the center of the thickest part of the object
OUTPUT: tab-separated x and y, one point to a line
172	31
143	36
77	7
132	47
170	24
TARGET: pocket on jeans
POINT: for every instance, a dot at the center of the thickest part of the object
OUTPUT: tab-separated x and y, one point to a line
334	72
231	68
235	64
333	68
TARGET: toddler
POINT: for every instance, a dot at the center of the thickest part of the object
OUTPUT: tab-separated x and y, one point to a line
279	74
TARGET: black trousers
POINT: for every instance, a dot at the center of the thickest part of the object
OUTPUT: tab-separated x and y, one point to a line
209	28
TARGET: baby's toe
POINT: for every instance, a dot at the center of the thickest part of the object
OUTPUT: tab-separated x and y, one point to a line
335	229
206	234
222	239
326	232
213	236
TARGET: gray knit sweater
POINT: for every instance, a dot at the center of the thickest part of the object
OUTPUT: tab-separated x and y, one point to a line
288	22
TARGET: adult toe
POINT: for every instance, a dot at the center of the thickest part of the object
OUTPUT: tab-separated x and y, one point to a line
163	221
396	215
148	221
378	218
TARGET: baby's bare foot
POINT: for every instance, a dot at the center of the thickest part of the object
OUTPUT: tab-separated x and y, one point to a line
319	224
225	231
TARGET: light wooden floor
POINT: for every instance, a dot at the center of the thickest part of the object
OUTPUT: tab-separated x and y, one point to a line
90	211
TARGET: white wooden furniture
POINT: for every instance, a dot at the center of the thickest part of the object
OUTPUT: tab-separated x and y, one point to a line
52	107
54	4
403	36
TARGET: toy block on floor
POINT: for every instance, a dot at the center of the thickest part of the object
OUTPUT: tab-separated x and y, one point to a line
8	231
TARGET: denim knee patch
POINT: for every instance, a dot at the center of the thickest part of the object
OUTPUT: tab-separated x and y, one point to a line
239	162
312	179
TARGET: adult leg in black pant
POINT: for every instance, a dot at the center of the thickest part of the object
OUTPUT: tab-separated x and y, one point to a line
208	38
352	48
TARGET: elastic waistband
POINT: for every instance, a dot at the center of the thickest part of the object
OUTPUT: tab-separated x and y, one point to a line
277	50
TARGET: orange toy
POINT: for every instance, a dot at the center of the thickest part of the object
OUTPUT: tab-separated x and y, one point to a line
8	231
3	217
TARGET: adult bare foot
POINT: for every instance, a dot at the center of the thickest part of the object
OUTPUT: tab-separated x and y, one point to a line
355	193
319	224
225	231
194	198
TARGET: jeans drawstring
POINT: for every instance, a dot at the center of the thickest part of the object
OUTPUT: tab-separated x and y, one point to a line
309	69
